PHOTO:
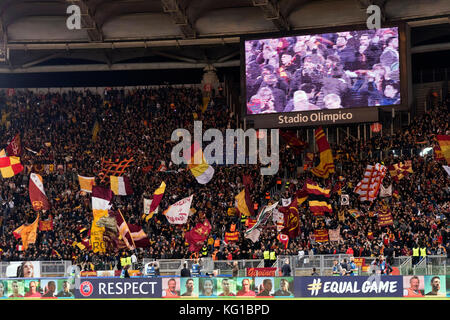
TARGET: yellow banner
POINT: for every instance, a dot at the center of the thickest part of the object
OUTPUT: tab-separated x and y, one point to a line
98	245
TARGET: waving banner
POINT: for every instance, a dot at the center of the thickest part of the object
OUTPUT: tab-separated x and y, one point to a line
197	235
178	213
101	203
36	190
263	216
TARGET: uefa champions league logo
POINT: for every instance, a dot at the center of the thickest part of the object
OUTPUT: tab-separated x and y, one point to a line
86	289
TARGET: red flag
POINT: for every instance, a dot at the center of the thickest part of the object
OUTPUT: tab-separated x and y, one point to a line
247	181
385	218
10	166
291	220
284	239
124	231
231	236
321	235
37	193
46	225
15	147
292	140
140	238
197	235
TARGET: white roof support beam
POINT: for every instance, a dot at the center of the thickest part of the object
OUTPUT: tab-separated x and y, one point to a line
88	21
179	17
272	12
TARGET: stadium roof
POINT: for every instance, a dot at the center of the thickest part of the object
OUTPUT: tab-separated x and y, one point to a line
165	34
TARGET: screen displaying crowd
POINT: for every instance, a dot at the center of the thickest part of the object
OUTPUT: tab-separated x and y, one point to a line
325	71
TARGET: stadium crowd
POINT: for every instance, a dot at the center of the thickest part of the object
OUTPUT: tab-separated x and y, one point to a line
328	71
56	128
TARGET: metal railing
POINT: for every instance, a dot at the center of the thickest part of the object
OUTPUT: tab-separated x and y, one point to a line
226	266
420	269
436	265
174	266
323	263
301	266
405	267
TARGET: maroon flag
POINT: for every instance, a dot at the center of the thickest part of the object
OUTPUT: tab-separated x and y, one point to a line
46	225
15	147
321	235
37	193
292	140
124	231
385	218
197	235
247	181
140	238
291	220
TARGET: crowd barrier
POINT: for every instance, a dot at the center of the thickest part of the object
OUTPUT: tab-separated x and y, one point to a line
226	287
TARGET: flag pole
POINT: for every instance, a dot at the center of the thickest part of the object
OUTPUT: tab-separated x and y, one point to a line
132	240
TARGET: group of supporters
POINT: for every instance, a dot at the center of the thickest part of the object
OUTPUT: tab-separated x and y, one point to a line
57	129
328	71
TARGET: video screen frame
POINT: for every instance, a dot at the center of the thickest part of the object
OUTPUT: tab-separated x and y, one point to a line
360	113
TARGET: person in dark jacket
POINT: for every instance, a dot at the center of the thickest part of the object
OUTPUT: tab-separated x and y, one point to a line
286	269
185	272
279	96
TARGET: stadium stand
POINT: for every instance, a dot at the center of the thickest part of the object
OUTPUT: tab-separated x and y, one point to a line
56	132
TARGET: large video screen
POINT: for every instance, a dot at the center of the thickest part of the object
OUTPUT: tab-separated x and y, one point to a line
323	71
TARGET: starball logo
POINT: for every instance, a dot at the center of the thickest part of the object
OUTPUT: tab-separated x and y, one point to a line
86	289
229	150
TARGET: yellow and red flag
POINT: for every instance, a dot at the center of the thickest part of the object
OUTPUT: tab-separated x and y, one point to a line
444	143
101	203
231	236
326	165
244	203
10	166
151	206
